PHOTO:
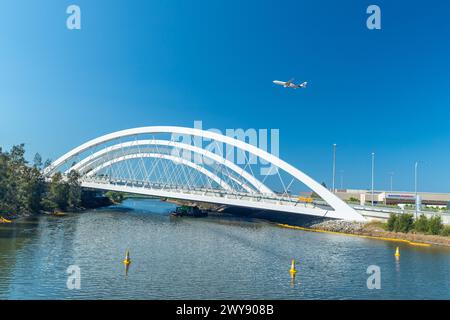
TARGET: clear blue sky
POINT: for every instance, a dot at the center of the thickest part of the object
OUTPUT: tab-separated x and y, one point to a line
138	63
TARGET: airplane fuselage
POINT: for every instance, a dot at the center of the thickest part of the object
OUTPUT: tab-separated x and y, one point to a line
289	84
282	83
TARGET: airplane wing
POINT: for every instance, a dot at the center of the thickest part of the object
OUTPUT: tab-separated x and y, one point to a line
289	82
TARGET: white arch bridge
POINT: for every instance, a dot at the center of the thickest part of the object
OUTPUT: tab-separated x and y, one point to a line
172	162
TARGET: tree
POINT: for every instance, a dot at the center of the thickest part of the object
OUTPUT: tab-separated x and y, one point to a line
23	189
21	186
400	223
16	196
435	225
3	180
406	223
74	196
421	224
17	154
47	163
445	231
57	197
37	161
392	221
33	188
115	197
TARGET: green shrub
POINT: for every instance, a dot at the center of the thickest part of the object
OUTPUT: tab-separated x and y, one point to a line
435	225
390	226
422	224
406	223
445	231
115	197
400	223
397	224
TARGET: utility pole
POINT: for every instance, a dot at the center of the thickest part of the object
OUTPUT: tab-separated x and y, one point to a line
373	172
334	167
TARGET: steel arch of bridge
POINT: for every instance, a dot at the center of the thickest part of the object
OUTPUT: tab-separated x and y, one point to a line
88	162
180	160
263	198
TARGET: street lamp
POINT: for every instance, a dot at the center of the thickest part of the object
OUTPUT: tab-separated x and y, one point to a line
334	166
415	185
373	171
392	177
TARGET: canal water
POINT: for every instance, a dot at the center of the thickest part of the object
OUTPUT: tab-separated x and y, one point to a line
224	257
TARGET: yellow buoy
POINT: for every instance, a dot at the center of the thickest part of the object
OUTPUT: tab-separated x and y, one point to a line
397	252
4	220
127	259
293	271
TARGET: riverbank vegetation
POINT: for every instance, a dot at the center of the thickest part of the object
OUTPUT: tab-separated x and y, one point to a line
117	197
379	230
24	191
405	223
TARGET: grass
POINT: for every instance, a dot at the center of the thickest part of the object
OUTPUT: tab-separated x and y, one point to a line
377	224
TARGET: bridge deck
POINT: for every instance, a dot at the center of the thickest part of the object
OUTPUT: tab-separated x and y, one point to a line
272	202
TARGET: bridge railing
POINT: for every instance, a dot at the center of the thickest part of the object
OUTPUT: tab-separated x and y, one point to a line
267	198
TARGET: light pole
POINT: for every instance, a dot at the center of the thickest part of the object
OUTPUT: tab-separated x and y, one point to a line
392	177
373	171
415	184
334	166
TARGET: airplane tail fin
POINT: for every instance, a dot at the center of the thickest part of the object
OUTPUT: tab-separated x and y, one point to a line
303	85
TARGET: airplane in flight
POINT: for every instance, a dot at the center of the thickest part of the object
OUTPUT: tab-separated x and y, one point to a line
290	84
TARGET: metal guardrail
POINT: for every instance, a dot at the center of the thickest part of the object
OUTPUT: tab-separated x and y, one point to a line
398	211
268	198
